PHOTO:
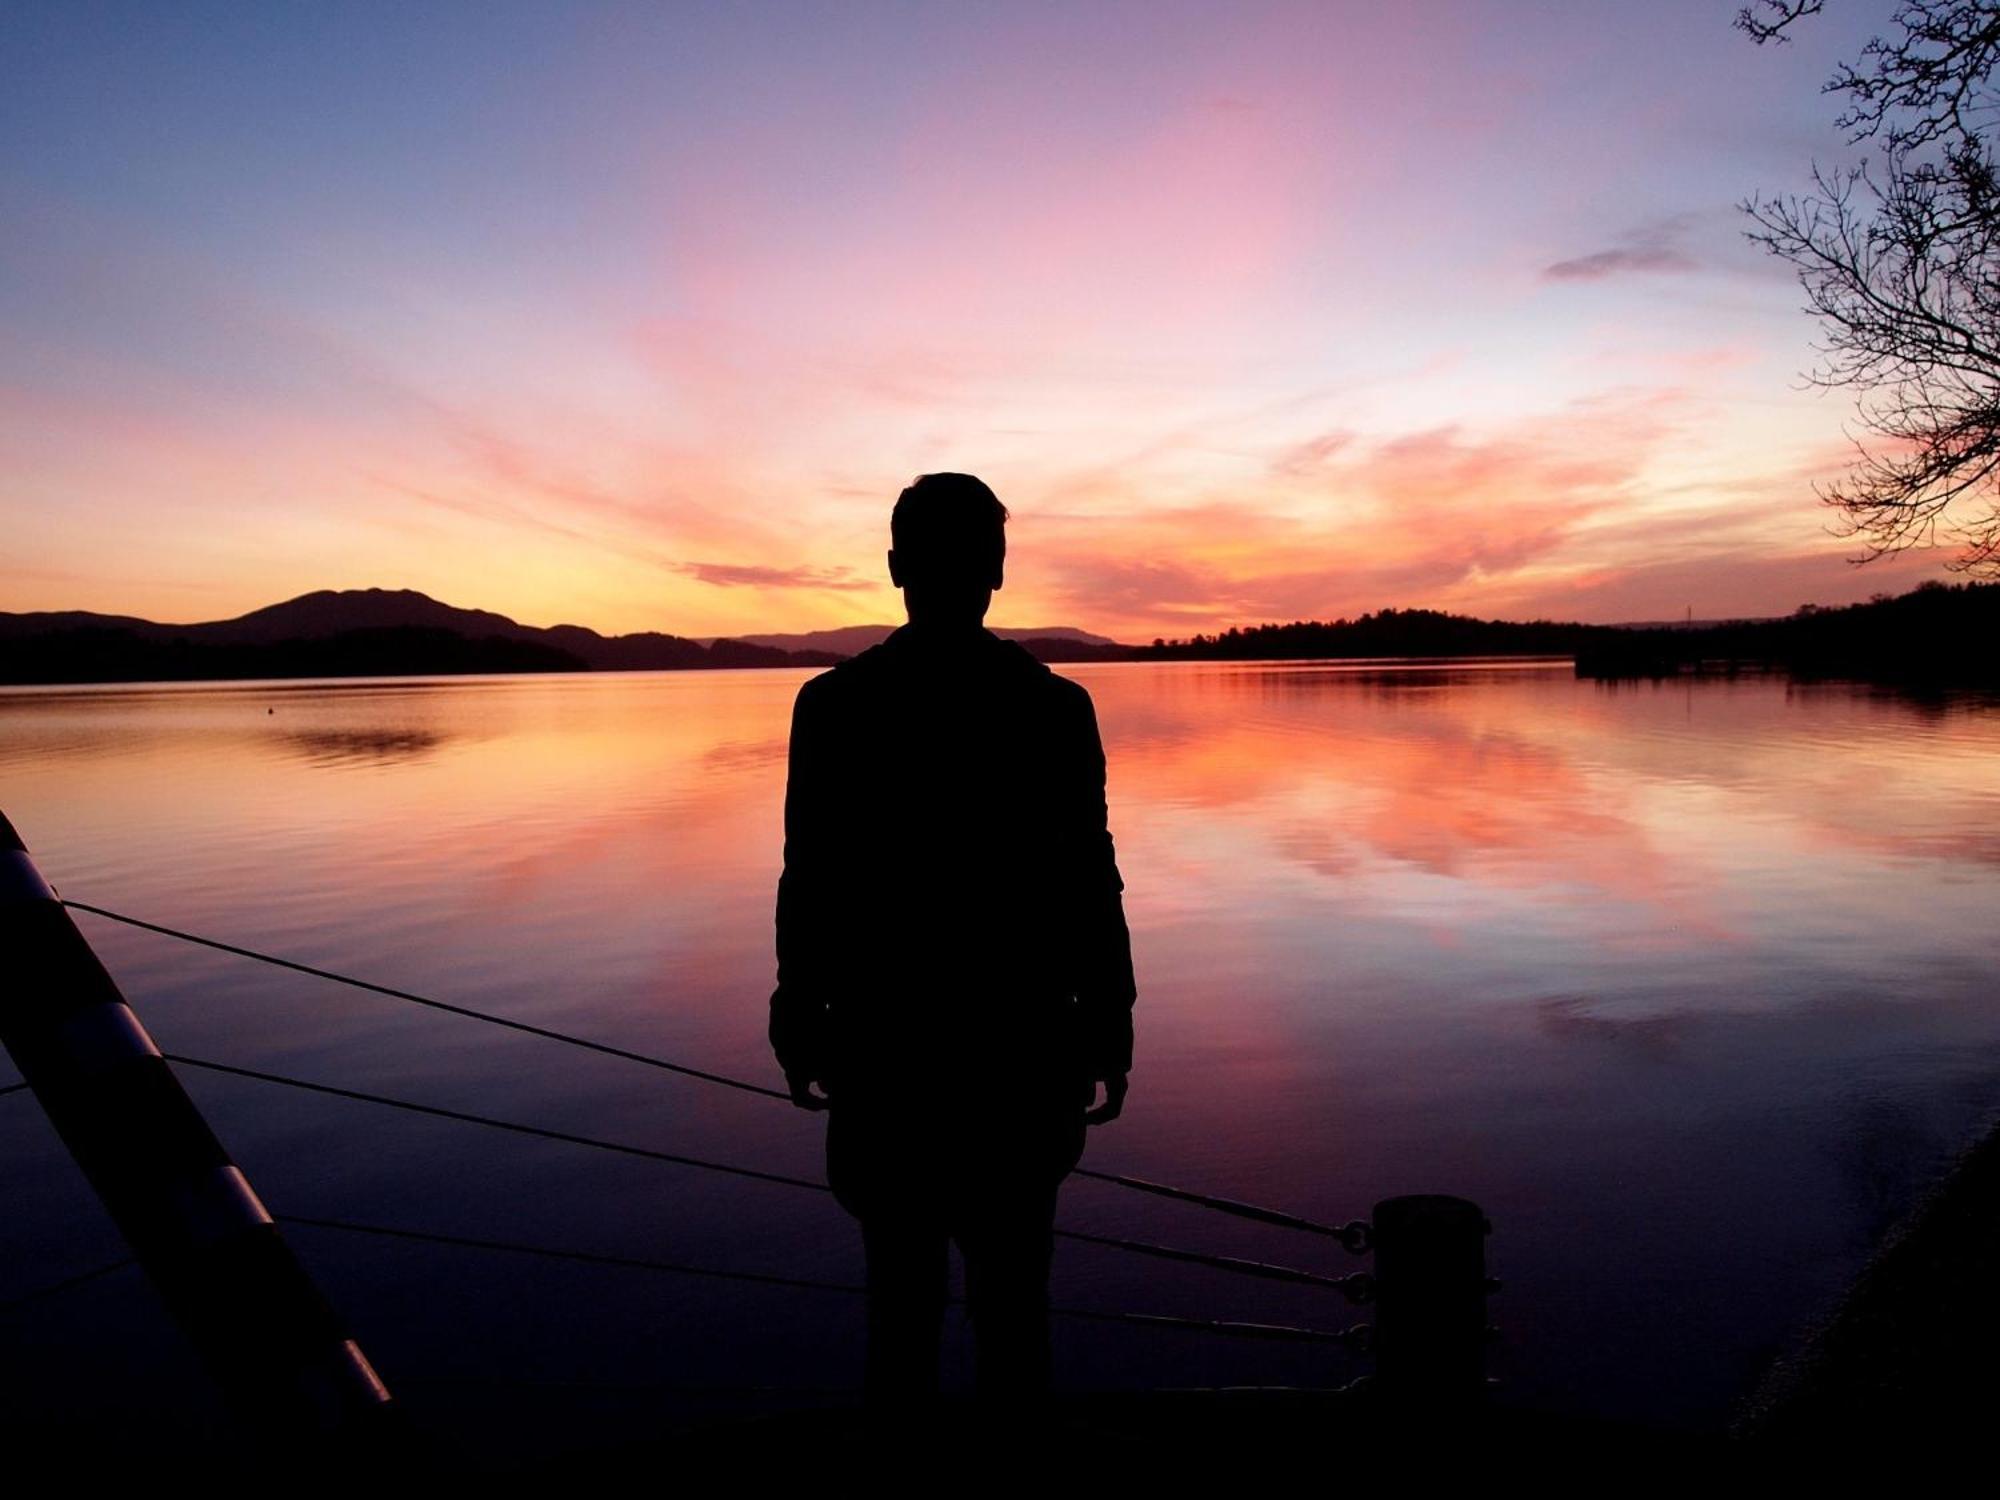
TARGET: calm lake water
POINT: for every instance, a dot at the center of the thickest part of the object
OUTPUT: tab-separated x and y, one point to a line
1691	986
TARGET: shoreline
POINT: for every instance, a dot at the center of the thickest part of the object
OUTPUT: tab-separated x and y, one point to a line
1909	1348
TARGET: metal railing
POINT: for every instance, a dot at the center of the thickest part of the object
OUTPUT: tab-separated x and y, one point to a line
110	1093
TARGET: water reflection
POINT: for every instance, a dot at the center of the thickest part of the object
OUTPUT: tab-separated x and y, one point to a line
336	746
1645	970
1661	1038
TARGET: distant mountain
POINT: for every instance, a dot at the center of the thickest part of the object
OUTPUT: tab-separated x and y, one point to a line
850	640
348	632
92	653
388	632
42	622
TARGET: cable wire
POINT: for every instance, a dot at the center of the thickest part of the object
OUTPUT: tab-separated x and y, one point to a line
1353	1235
1356	1288
540	1132
68	1283
1355	1337
584	1257
547	1033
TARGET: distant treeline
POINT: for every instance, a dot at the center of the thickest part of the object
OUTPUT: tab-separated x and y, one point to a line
1937	633
1388	632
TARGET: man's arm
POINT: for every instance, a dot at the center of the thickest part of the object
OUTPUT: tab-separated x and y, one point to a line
1105	988
799	1003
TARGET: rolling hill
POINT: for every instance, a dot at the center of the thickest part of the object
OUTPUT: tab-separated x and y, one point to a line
400	632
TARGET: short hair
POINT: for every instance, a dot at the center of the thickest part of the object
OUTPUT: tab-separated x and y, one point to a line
951	521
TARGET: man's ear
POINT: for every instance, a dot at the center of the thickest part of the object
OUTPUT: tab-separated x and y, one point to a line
894	577
999	576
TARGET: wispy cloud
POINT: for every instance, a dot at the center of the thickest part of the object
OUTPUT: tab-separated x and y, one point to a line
741	575
1307	457
1617	262
1652	248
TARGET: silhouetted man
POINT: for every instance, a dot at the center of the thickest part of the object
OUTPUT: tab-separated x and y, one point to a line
953	966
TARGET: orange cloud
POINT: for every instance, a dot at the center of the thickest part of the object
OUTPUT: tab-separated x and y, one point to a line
728	575
1345	524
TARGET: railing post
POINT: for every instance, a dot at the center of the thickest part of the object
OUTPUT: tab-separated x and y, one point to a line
1430	1303
271	1340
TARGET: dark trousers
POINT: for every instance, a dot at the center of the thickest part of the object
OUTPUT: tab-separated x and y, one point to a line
1006	1249
991	1188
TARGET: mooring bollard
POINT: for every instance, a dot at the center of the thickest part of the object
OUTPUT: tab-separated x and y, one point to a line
1430	1303
276	1347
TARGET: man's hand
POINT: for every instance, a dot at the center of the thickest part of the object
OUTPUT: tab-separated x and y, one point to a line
1114	1101
802	1095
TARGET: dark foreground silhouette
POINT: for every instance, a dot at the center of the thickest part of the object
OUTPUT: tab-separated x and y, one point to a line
954	974
1907	1354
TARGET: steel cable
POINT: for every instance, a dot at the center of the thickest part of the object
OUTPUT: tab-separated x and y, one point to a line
1353	1235
1353	1338
1355	1288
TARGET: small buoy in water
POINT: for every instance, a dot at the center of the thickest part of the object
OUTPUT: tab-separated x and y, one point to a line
270	710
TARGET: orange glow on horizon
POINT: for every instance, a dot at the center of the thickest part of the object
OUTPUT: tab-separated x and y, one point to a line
654	346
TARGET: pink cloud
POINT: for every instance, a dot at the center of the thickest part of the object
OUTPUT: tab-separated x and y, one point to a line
1353	524
727	575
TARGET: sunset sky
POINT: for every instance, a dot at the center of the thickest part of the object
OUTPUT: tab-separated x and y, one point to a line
638	316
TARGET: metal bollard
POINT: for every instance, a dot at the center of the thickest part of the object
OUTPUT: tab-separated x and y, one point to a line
1430	1303
271	1340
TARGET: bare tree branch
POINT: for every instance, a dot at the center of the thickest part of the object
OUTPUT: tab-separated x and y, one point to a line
1767	19
1899	260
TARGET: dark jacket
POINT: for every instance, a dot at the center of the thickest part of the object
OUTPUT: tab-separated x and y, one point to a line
950	900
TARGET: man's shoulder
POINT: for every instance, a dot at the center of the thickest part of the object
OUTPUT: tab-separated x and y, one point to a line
886	666
1066	688
1059	705
1067	691
852	671
842	679
1063	697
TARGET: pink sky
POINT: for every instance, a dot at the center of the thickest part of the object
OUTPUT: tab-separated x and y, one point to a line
639	317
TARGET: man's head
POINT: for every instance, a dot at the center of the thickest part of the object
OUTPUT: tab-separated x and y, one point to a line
948	548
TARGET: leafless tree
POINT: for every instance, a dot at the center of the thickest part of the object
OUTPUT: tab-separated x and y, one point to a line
1899	258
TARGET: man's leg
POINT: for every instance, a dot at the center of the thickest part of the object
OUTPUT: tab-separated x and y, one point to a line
1008	1241
879	1179
908	1272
